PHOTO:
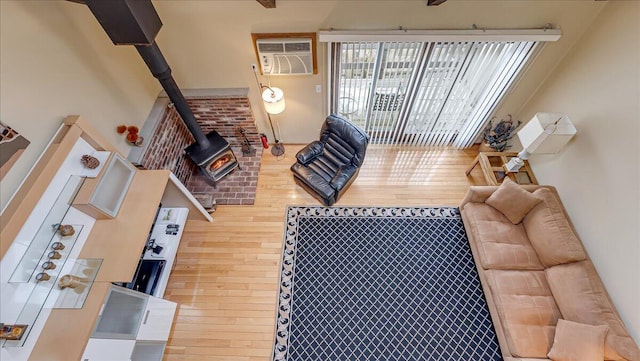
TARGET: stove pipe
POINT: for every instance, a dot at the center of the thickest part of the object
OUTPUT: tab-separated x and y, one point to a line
136	22
160	69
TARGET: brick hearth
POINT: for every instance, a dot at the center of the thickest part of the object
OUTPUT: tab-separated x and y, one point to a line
239	187
167	136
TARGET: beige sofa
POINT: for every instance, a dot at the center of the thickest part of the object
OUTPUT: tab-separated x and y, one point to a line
535	272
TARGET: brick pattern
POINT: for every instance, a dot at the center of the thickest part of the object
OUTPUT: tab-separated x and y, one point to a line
239	187
225	115
166	147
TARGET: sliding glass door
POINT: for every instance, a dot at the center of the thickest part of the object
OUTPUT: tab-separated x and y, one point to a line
423	93
374	79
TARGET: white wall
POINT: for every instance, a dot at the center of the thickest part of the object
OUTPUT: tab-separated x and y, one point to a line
208	43
598	172
56	60
52	66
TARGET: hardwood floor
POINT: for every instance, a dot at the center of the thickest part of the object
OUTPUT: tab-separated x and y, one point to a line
226	273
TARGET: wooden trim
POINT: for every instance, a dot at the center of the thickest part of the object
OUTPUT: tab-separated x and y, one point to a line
314	45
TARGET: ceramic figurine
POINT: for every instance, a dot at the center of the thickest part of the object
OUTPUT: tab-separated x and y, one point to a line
70	281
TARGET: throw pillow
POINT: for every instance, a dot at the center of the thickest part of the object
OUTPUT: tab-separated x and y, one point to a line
512	201
578	342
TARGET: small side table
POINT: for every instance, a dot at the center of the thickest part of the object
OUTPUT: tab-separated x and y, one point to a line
493	168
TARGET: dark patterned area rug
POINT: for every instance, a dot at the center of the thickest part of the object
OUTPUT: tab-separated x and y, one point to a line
380	284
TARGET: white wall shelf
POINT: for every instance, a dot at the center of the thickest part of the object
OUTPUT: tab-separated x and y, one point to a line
106	250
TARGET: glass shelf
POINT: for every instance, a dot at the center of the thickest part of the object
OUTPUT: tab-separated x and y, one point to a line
38	287
82	273
49	294
33	261
47	234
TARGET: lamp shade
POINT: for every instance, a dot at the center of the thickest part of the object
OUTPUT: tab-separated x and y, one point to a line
273	99
546	133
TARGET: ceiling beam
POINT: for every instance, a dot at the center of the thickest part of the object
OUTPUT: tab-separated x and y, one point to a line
269	4
435	2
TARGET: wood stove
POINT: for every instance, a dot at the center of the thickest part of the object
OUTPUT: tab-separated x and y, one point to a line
217	161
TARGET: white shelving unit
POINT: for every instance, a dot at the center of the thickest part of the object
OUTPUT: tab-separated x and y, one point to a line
131	326
106	249
168	242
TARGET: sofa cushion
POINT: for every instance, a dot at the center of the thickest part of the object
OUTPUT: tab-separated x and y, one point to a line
526	309
575	341
550	233
582	298
512	201
500	243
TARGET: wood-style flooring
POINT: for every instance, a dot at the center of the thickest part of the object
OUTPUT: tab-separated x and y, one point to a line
226	274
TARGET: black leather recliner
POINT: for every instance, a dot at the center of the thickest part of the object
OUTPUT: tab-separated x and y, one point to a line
327	167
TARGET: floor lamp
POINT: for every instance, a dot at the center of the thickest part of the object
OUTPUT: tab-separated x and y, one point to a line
273	101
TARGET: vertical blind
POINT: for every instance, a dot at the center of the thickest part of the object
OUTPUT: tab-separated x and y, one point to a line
424	93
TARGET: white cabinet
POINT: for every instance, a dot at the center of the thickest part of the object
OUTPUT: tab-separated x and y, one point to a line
148	351
99	349
157	320
121	314
131	326
102	349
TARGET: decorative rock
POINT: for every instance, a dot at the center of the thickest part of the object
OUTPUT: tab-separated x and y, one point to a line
89	161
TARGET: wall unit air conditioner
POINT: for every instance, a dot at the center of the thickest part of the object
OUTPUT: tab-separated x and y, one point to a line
290	56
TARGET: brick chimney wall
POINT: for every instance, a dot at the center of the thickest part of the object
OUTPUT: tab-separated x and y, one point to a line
221	113
225	115
166	147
